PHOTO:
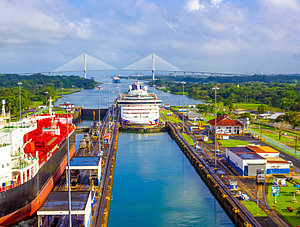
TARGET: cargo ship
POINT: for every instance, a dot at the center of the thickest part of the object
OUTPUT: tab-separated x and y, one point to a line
33	158
138	107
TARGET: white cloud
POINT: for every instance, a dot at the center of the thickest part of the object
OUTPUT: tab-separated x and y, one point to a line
216	36
216	2
282	4
194	5
42	21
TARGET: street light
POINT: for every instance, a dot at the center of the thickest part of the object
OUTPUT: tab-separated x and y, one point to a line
108	102
99	88
46	92
183	83
215	88
67	104
20	83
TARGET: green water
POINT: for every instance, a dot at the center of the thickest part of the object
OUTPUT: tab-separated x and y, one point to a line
155	185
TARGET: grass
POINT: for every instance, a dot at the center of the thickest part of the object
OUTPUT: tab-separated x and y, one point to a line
232	143
180	93
202	122
289	133
161	119
170	118
284	201
272	135
179	107
208	117
252	207
188	139
253	106
37	103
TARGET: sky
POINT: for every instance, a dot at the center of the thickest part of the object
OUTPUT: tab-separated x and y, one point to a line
234	36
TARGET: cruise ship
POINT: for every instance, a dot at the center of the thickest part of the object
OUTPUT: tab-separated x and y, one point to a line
138	107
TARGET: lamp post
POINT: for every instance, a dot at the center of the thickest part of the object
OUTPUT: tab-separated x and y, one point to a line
67	104
215	88
20	83
108	102
183	83
46	92
99	88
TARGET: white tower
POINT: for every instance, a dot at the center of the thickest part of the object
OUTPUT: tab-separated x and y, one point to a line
84	70
153	67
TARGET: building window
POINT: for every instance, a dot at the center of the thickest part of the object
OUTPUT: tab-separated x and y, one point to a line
2	166
7	164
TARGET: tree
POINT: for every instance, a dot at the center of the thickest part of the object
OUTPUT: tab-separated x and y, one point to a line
261	109
293	118
281	126
245	115
202	108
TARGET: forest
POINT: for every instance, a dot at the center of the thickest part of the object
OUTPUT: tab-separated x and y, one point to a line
283	95
36	87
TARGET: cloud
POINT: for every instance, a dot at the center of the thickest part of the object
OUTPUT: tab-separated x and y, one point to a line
216	2
194	5
38	21
202	35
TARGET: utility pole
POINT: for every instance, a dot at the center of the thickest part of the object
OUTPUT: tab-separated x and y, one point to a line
69	178
183	105
215	88
99	136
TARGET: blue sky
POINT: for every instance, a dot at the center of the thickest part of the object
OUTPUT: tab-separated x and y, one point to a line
238	36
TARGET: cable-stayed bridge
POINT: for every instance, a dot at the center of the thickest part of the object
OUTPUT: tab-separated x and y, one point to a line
151	63
82	63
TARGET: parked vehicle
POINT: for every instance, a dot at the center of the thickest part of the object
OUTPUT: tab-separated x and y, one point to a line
260	176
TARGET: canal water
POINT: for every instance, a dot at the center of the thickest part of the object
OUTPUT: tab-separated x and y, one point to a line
154	184
88	98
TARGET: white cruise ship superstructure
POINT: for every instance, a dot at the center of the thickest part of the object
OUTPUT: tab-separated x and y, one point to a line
138	107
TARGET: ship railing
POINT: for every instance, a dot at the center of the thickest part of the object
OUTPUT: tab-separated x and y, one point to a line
12	185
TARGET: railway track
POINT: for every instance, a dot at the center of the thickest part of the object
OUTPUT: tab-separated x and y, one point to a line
245	213
277	220
100	216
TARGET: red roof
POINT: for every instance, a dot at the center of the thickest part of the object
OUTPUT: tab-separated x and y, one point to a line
283	162
224	120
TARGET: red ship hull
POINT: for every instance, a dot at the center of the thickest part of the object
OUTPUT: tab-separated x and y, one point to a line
30	208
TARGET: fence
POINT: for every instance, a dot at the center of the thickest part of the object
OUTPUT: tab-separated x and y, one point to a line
275	143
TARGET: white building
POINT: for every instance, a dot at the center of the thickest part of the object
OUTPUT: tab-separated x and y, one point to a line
225	125
246	160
